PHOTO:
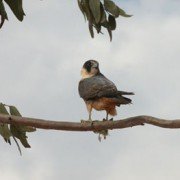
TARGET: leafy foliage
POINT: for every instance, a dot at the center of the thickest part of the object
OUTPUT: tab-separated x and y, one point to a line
16	8
14	130
101	14
98	13
4	128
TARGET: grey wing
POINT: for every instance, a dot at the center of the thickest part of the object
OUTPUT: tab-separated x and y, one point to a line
96	87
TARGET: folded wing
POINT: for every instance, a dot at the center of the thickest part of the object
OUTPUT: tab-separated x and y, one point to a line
97	87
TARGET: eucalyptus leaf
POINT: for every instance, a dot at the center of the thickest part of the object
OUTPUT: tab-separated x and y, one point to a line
111	7
3	110
91	29
98	28
14	111
2	10
105	24
3	13
16	7
16	131
89	16
4	128
110	33
96	13
94	6
112	22
103	14
5	132
81	7
85	4
19	131
123	13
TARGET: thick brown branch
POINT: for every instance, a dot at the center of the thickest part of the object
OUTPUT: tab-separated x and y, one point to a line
95	126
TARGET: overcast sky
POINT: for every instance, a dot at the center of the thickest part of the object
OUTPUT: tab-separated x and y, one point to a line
40	67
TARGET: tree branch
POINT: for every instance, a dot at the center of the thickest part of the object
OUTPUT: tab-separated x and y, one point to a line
95	126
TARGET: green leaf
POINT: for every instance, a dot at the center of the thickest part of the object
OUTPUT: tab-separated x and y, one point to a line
103	14
2	10
4	129
112	22
2	13
5	132
14	111
16	7
111	7
86	9
16	131
94	6
97	27
123	13
19	131
110	33
96	13
3	110
81	7
89	16
91	29
28	129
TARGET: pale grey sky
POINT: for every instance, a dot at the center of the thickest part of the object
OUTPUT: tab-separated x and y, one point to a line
40	67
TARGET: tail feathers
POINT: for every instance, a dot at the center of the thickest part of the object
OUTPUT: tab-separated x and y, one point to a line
125	93
123	100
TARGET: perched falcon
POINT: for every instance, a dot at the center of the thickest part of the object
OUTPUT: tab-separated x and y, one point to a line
98	92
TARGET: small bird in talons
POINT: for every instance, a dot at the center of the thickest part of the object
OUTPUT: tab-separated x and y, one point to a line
98	92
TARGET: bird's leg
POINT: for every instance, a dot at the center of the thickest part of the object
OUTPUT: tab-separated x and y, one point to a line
89	108
90	119
87	121
107	117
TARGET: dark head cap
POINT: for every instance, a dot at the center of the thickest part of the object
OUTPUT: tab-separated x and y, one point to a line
88	65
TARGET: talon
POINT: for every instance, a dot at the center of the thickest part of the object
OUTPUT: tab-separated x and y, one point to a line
111	119
83	121
86	121
96	121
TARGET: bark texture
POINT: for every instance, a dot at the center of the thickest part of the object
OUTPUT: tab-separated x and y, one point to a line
95	126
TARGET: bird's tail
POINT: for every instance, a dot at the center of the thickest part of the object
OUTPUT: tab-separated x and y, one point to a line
125	93
123	100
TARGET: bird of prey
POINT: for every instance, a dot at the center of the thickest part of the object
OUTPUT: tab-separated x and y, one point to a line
98	92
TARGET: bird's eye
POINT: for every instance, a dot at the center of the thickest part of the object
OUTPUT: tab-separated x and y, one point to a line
87	66
89	63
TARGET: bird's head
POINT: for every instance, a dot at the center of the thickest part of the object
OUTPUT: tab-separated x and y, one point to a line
89	69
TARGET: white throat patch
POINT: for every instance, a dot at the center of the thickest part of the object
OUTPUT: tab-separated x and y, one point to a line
85	74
